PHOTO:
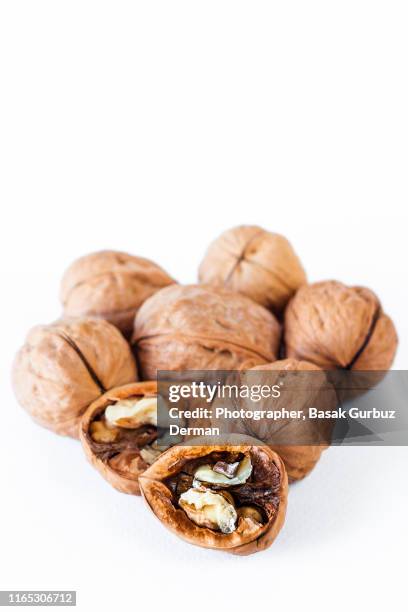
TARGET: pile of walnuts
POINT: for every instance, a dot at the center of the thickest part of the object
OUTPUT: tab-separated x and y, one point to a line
91	374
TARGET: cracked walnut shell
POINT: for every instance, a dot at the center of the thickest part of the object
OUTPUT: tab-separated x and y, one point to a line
240	519
63	367
335	326
117	447
257	263
110	285
196	327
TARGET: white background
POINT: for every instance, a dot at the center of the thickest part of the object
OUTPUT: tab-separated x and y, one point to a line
151	127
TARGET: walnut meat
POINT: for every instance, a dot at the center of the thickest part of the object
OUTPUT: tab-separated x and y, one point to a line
110	285
237	517
302	385
256	263
196	327
62	368
335	326
119	434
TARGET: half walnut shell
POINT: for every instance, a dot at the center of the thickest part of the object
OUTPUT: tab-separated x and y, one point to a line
110	285
119	434
231	496
63	367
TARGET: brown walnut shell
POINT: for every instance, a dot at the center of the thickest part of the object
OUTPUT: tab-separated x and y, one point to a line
335	326
306	386
269	482
63	367
126	453
257	263
110	285
196	327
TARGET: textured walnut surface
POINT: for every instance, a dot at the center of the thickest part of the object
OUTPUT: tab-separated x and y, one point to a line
200	327
259	264
335	326
304	386
267	464
111	285
65	366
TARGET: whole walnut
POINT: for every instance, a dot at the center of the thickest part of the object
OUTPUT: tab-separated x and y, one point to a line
63	367
335	326
256	263
196	327
110	285
301	441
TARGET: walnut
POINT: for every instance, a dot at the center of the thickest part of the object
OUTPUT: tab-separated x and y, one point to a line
196	327
302	385
119	434
110	285
63	367
209	516
210	475
207	508
256	263
335	326
250	512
